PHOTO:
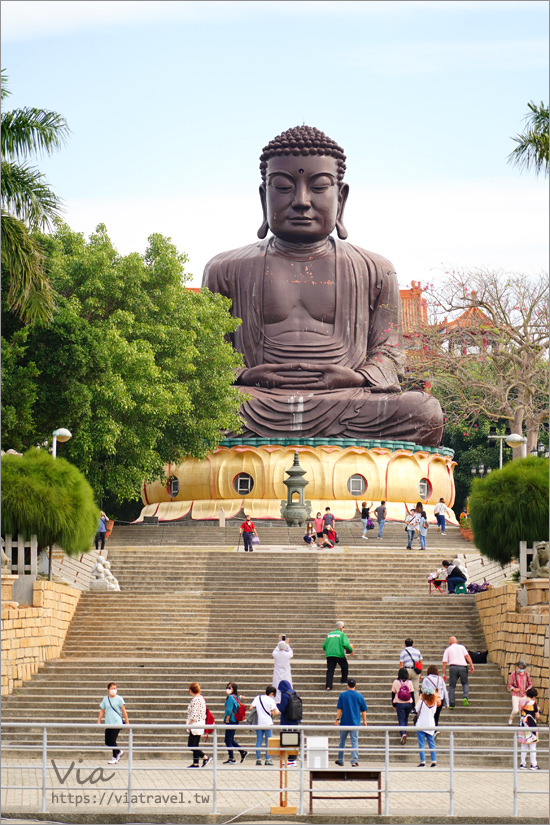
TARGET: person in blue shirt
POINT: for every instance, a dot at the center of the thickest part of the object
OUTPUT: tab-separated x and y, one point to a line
101	530
350	710
114	710
230	709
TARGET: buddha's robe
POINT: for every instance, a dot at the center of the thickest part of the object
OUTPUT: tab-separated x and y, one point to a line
365	338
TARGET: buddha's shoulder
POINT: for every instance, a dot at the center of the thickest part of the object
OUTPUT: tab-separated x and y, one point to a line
231	257
370	258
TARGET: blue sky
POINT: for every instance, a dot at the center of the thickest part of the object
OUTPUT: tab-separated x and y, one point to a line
170	104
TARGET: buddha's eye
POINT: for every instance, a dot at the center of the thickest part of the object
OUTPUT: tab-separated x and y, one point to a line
321	184
281	184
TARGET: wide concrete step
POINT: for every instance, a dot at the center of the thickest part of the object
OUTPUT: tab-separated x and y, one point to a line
270	532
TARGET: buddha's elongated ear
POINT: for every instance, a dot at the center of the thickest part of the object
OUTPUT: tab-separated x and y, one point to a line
262	231
342	198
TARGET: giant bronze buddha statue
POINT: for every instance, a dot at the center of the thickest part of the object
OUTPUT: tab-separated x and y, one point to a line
320	331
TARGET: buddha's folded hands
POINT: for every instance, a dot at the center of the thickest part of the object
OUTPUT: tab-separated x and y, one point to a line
299	374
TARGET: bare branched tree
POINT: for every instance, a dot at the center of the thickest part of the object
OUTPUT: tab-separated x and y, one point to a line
485	349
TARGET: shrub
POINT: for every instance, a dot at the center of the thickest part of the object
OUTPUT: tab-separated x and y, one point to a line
509	506
48	497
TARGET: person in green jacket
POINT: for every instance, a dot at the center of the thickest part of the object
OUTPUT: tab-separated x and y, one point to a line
336	645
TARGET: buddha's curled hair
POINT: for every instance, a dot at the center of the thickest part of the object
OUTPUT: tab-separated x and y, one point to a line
303	140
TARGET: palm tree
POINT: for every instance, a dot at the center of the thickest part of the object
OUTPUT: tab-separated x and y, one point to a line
28	204
532	146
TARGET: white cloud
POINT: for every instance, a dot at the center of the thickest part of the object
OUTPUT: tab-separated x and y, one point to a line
24	19
501	223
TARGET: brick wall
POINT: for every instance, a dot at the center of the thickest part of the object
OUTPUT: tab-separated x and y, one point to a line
513	635
33	635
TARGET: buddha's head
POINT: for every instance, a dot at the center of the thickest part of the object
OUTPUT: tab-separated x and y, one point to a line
303	193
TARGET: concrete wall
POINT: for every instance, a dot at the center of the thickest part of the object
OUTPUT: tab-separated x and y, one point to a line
33	635
513	635
481	569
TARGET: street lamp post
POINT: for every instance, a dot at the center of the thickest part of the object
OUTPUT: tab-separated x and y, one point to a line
481	470
494	437
58	435
514	440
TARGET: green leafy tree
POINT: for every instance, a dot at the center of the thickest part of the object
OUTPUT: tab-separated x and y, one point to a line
28	203
48	497
472	448
509	506
133	363
531	151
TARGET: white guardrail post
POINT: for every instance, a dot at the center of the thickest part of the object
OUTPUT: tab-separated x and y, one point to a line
130	765
44	768
515	813
215	772
386	773
451	773
302	754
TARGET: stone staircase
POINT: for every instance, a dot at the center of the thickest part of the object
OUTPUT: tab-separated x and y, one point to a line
272	533
186	613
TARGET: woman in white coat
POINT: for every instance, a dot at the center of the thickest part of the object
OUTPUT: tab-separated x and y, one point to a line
281	668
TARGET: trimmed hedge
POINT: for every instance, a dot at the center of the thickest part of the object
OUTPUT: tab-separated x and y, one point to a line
50	498
509	506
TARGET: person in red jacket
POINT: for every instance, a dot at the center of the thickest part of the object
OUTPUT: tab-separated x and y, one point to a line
247	531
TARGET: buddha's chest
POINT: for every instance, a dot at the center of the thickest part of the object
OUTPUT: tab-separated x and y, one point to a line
308	287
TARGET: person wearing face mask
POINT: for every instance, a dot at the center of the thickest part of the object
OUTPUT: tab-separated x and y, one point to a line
518	685
114	710
196	718
229	711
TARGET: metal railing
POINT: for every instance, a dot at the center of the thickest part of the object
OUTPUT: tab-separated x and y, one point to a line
380	752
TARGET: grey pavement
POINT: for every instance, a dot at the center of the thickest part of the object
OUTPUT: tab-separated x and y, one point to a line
175	792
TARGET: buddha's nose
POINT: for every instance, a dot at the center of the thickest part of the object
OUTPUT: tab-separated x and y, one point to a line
302	198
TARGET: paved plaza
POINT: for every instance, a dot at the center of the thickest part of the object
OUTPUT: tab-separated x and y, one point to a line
167	787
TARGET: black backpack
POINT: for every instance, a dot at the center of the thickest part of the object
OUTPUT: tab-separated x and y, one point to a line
293	710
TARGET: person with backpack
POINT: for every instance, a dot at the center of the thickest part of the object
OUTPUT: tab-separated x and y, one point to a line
329	536
528	737
402	697
234	712
411	658
350	710
365	518
336	645
291	709
266	708
518	685
328	519
433	678
114	710
425	709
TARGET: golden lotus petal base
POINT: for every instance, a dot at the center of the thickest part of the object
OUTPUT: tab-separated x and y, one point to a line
398	475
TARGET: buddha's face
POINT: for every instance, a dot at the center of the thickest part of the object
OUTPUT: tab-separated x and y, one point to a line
302	198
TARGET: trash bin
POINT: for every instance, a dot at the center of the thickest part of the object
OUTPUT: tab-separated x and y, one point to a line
317	752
